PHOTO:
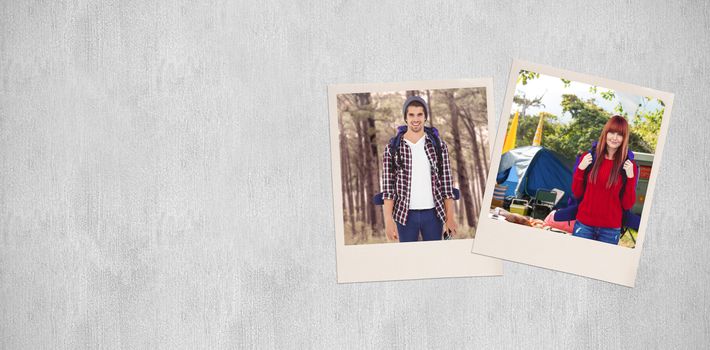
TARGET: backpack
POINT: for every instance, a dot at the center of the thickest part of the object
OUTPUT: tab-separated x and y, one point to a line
628	219
394	143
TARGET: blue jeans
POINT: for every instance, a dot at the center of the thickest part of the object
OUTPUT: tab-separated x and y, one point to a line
602	234
424	221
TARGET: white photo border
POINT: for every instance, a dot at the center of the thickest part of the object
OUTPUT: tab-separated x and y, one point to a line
560	252
402	261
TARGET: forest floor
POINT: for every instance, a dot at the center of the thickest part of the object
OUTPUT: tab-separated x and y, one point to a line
366	235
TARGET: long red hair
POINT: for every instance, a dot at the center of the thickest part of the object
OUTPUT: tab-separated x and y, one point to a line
617	124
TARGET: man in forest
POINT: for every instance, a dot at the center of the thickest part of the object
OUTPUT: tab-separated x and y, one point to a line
417	183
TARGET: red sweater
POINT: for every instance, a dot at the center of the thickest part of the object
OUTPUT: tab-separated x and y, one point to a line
601	206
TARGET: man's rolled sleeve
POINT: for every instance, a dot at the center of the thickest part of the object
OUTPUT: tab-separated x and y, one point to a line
388	176
447	182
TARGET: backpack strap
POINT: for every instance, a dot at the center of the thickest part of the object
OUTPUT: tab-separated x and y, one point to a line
624	219
393	151
587	170
624	179
395	141
433	136
575	202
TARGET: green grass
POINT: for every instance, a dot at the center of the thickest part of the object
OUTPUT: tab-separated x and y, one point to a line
626	241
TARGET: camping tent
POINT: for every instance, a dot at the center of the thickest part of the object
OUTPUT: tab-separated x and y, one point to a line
526	169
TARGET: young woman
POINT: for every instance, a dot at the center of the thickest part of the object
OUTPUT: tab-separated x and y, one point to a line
601	210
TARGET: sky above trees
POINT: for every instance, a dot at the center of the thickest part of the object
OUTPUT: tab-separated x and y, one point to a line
552	88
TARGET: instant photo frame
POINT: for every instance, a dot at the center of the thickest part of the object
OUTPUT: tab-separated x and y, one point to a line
538	247
401	261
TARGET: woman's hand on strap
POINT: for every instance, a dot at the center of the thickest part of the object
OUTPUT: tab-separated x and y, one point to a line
629	168
584	163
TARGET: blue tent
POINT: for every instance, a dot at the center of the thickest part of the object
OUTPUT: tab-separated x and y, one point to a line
526	169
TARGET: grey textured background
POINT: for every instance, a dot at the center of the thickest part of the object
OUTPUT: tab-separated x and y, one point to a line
165	174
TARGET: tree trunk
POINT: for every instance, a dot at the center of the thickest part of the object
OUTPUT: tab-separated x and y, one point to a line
482	167
477	194
369	151
460	162
362	213
480	170
346	177
349	194
377	220
480	156
459	211
485	147
364	169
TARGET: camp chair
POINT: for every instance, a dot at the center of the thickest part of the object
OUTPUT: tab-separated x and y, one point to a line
543	203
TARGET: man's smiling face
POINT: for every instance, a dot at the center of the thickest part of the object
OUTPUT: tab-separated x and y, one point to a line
415	118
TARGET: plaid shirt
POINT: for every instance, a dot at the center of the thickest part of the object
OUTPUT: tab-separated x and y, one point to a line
396	181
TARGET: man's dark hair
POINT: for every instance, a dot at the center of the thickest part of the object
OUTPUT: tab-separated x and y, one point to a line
416	104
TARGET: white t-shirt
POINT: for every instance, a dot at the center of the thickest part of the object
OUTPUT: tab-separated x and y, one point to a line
421	196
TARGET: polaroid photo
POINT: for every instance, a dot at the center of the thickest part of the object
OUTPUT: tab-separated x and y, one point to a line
573	170
409	167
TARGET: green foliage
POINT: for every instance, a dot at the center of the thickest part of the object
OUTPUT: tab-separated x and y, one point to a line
527	125
619	109
608	95
587	123
647	125
524	76
565	82
585	126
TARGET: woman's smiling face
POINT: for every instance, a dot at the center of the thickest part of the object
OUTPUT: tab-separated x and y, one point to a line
614	140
